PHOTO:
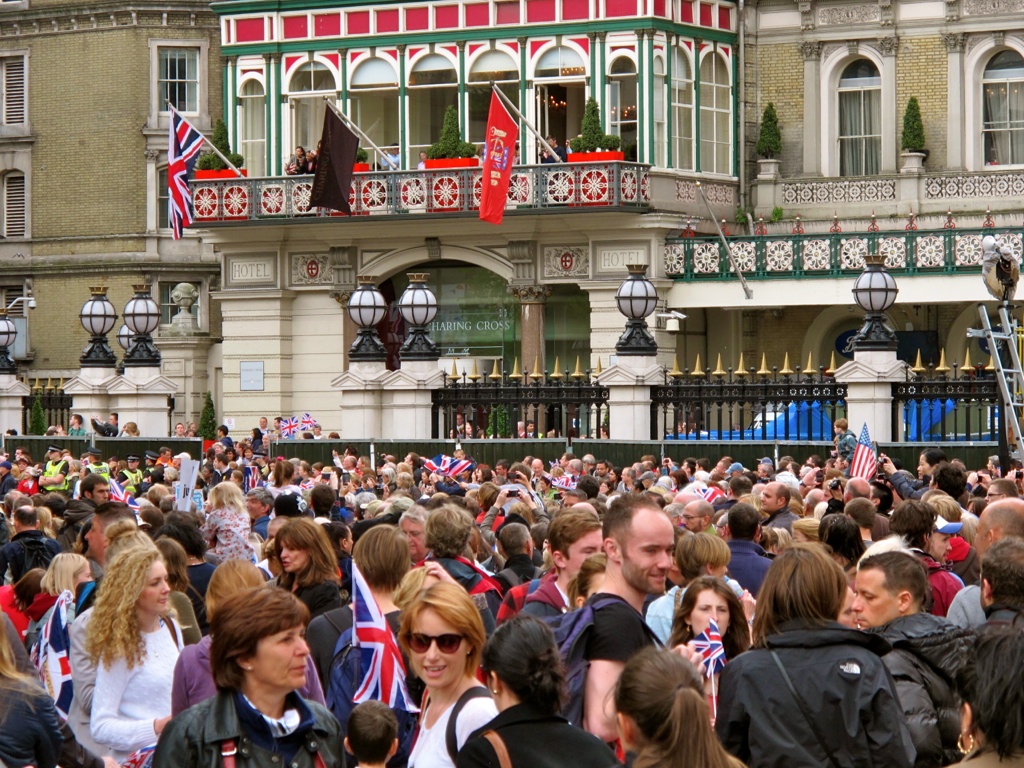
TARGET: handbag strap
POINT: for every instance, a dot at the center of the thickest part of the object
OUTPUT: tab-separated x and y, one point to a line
498	744
803	709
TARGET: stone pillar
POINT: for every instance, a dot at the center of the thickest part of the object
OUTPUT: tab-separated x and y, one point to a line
141	395
869	378
361	389
889	47
955	104
11	393
812	108
531	302
90	392
406	400
629	384
184	356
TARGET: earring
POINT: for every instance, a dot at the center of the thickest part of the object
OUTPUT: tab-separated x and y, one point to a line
494	691
965	748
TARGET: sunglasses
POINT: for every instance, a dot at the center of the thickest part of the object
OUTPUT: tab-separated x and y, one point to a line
420	643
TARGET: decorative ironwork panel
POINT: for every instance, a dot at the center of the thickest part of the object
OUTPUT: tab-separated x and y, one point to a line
931	406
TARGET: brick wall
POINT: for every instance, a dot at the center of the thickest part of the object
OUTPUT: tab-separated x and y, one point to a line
921	72
780	81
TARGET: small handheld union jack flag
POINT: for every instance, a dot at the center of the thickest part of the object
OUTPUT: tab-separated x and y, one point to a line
118	493
182	153
289	426
307	422
250	478
565	482
709	644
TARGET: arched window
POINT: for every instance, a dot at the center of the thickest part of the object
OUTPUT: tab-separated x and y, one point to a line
682	112
1003	109
560	93
622	104
715	116
373	93
252	126
860	119
660	142
489	67
14	204
433	87
306	88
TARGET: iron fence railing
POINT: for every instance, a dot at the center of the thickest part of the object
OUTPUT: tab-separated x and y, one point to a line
56	408
555	404
746	405
935	404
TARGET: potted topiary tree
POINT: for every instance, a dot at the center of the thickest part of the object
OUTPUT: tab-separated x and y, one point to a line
769	145
210	166
593	145
450	151
912	142
362	162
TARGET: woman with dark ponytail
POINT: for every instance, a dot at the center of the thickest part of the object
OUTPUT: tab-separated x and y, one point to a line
526	677
663	714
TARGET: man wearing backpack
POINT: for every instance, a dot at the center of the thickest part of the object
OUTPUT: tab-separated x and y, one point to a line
639	543
29	548
517	545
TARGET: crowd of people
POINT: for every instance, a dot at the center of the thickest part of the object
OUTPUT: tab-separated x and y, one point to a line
544	611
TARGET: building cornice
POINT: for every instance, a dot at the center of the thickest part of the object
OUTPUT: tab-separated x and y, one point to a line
22	22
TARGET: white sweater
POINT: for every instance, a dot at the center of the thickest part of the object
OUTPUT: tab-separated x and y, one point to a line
126	702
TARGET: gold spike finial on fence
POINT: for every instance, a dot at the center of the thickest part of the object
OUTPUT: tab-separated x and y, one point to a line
556	373
719	371
38	386
967	360
475	375
599	370
515	368
675	373
578	373
49	384
496	370
991	366
810	363
763	370
740	368
786	370
60	386
455	370
832	362
942	368
918	367
537	372
697	370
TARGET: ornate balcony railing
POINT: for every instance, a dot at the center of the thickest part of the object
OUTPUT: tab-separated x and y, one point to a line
450	191
988	185
774	257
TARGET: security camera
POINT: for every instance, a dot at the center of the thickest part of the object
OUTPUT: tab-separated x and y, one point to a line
672	314
31	302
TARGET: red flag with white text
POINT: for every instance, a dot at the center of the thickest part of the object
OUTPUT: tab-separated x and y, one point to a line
502	135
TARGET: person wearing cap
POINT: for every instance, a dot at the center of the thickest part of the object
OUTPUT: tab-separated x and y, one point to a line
92	465
765	468
29	482
735	469
928	652
917	522
8	482
131	478
647	479
55	475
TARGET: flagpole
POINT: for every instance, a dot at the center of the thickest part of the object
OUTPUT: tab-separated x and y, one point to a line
728	251
208	142
508	103
348	121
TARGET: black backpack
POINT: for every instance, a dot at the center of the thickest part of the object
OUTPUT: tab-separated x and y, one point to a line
37	555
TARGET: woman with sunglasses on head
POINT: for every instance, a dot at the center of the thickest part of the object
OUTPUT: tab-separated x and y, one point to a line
443	636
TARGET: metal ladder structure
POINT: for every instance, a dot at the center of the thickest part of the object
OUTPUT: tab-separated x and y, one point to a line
1002	344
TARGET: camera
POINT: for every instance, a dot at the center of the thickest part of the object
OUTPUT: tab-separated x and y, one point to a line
835	484
513	494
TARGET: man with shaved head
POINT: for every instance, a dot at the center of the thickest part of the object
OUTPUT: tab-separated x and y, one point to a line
999	520
775	505
697	517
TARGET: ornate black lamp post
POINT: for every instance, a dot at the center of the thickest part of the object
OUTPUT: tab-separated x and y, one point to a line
141	317
98	317
8	333
637	299
875	291
418	306
366	308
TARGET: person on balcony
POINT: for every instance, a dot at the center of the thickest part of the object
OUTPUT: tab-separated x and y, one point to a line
298	164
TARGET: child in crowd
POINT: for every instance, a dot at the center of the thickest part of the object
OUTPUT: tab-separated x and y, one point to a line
372	734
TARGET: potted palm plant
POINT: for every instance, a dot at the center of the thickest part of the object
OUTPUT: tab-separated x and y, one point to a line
912	141
593	145
450	151
769	145
210	166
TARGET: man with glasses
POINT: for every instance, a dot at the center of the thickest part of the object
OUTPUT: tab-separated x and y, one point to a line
1002	489
697	517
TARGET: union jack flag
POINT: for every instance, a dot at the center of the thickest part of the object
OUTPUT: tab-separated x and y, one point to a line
118	493
289	426
251	478
308	485
380	659
864	463
50	655
140	758
307	422
182	153
447	465
709	644
565	482
711	495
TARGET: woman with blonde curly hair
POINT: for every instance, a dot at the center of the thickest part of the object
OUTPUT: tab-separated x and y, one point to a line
226	529
135	643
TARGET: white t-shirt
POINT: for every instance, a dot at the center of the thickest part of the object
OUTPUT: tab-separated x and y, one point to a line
432	752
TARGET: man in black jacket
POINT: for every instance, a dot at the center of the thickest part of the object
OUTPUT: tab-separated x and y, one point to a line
517	545
892	590
29	548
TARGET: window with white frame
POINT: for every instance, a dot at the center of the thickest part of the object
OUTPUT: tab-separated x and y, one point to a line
13	224
660	142
373	93
307	88
1003	109
168	308
178	79
163	197
13	96
496	67
252	126
433	87
682	112
860	119
623	114
715	115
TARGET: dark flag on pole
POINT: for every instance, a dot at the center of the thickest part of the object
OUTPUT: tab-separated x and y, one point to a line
333	179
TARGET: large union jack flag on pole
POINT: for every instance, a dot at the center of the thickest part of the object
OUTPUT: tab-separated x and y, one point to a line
381	661
182	153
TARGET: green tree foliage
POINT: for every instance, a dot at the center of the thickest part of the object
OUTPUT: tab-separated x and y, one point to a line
592	137
450	144
769	142
37	419
913	127
210	161
498	422
208	420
